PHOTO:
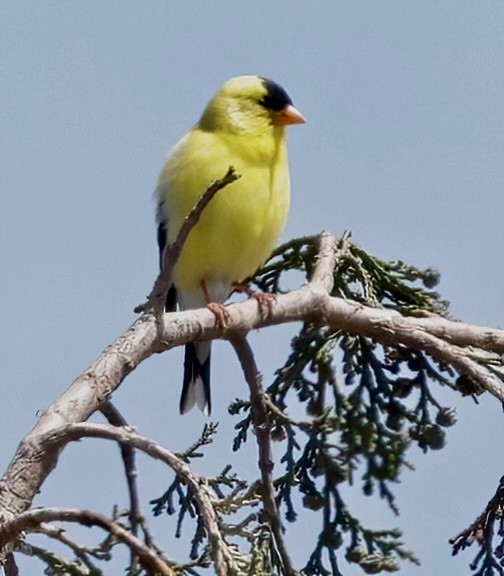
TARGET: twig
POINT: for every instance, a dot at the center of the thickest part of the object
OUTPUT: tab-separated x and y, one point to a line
32	519
115	418
330	250
221	555
482	529
10	566
57	533
263	429
157	297
55	563
151	542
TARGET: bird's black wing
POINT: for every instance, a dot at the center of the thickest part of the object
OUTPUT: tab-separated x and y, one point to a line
162	235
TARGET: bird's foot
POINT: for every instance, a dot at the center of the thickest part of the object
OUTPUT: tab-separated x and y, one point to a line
265	302
222	316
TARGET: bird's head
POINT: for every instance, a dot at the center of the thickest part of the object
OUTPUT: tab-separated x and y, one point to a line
250	104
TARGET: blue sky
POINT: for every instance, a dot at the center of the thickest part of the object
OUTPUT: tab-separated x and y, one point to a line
403	146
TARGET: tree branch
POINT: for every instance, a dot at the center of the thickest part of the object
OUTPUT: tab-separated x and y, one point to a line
222	557
157	297
10	566
81	552
443	339
263	429
330	250
115	418
32	519
482	532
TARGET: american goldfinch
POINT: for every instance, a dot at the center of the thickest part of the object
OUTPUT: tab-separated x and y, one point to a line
242	126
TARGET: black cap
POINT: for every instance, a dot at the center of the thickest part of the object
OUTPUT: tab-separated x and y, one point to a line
276	97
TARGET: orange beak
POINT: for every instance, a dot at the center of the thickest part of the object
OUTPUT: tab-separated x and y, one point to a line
288	115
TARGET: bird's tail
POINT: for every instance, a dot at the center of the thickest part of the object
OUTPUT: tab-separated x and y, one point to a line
196	387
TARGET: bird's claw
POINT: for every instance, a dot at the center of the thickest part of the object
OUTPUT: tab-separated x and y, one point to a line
222	316
265	302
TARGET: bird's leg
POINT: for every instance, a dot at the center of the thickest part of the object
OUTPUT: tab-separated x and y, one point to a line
222	316
264	300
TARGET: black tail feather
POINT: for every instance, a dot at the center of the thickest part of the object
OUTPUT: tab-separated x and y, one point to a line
196	375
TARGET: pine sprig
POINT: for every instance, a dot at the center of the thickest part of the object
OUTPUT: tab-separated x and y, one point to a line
366	403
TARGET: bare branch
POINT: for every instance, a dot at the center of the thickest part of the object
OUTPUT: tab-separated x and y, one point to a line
330	249
86	395
482	532
10	566
222	557
57	533
32	519
157	297
115	418
263	429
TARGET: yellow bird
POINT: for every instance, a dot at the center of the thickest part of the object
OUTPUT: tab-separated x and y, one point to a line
242	126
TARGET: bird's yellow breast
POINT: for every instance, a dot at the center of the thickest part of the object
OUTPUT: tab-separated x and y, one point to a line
239	228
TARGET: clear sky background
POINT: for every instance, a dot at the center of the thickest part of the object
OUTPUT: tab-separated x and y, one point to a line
404	146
